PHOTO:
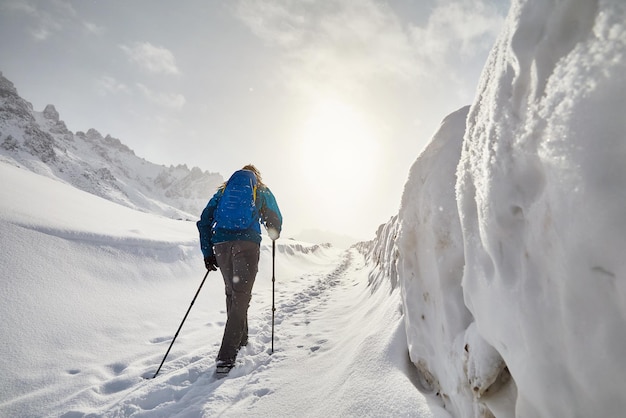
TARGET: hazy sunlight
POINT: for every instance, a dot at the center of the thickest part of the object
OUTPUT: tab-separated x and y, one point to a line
337	143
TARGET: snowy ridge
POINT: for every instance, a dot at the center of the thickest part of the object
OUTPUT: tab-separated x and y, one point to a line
510	233
41	142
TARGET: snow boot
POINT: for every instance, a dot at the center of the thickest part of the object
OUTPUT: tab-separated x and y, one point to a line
222	368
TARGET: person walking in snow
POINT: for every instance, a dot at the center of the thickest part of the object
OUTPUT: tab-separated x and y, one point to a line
230	238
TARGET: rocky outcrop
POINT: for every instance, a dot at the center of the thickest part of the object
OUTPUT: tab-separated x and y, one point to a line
102	165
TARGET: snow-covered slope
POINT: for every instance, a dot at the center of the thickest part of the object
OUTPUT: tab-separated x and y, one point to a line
86	283
41	142
92	293
508	244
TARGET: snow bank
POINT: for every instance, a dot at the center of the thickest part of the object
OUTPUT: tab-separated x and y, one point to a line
382	254
430	266
542	203
510	263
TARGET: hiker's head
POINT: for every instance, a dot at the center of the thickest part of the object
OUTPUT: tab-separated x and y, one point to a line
256	172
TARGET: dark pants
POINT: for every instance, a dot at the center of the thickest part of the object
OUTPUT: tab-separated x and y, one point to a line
239	263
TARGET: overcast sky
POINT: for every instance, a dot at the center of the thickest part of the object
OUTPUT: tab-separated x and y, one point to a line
333	100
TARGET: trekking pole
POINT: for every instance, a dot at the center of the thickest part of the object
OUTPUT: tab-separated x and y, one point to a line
273	281
181	325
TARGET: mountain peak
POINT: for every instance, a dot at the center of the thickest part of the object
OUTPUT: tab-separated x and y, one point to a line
100	165
94	135
6	86
51	113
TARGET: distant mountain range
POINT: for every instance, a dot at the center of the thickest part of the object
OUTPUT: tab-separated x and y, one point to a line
104	166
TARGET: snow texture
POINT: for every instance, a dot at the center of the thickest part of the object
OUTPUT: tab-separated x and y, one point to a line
542	203
510	233
502	275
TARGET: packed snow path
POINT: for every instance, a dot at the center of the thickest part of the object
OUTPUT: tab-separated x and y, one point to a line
336	354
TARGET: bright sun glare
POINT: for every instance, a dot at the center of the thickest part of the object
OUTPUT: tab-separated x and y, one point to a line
337	143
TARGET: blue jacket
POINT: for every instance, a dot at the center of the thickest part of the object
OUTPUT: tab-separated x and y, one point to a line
268	211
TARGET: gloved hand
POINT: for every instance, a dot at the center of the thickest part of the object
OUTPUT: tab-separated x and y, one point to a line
211	263
273	233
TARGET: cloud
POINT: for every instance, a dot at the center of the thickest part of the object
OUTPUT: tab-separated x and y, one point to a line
46	19
106	85
93	28
348	44
463	27
153	59
279	22
336	41
174	101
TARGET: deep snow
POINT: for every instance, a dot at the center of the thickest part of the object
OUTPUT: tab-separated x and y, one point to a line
92	293
542	204
508	246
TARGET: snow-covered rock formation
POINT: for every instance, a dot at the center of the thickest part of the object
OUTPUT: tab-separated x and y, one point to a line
102	165
509	241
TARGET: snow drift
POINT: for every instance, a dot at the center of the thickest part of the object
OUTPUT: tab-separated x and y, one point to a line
542	202
511	232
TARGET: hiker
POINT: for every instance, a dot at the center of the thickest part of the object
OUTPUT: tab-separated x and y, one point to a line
230	238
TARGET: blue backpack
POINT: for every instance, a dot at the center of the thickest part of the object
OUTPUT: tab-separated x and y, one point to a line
236	210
